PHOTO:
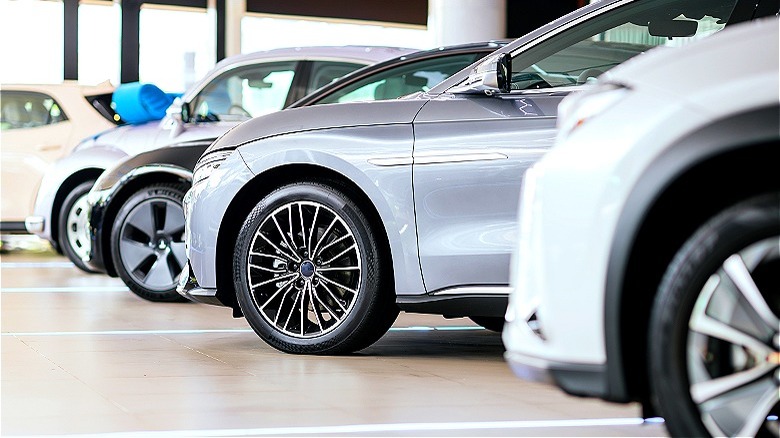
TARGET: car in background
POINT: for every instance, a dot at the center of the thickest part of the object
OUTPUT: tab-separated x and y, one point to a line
317	224
40	124
236	89
127	244
648	260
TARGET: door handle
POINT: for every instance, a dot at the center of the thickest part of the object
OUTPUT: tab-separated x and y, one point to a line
48	147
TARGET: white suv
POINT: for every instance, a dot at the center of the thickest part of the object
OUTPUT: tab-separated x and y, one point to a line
650	239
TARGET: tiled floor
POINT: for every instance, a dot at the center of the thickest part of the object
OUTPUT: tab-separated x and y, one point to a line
82	355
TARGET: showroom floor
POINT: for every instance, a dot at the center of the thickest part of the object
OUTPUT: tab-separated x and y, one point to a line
82	355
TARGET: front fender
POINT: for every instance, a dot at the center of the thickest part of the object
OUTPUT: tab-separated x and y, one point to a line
377	160
64	175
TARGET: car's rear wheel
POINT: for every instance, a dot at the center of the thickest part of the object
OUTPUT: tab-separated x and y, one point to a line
73	235
714	342
147	242
309	274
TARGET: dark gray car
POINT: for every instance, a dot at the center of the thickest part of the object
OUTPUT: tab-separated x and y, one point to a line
318	224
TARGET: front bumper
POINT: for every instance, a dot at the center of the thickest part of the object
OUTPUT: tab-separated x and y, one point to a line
34	224
587	380
189	288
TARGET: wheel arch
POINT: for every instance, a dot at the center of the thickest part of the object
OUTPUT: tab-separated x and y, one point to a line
703	173
79	177
134	181
263	184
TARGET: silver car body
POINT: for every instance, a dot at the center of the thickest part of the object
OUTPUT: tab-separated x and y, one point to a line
442	170
97	153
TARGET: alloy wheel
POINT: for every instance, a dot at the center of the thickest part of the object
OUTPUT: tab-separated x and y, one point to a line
733	346
76	227
151	246
304	269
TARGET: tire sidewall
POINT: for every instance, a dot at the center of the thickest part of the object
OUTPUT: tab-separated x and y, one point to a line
369	281
170	192
62	223
701	256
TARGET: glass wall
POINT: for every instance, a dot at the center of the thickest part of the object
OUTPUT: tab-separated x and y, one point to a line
31	41
177	46
264	32
100	24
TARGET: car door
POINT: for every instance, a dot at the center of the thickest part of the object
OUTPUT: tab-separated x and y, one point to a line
35	130
471	150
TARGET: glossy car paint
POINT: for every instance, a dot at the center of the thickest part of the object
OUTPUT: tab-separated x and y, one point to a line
28	153
100	152
379	147
168	164
583	203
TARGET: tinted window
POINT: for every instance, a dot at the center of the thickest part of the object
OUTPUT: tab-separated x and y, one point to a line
325	72
22	109
586	51
402	80
245	92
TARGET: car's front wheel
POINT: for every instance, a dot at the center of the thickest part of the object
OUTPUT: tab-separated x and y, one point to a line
73	235
147	244
309	273
714	342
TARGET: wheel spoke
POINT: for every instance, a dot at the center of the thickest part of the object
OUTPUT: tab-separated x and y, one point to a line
353	246
159	214
709	389
142	219
281	251
757	416
313	226
159	275
178	251
287	286
702	323
314	305
741	412
281	303
263	268
340	268
324	248
326	306
337	284
292	310
327	230
332	295
134	253
275	279
738	273
303	228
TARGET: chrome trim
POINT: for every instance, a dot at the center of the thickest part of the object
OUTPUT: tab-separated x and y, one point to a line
34	224
438	157
474	290
391	161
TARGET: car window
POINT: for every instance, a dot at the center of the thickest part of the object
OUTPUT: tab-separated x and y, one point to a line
23	109
245	92
402	80
584	52
325	72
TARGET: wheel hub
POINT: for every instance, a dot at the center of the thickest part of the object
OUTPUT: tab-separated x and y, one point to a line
307	269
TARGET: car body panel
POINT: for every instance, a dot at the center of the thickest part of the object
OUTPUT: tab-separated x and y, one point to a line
28	153
574	244
112	145
465	220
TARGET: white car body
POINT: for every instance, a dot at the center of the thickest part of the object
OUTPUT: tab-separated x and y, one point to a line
575	200
30	150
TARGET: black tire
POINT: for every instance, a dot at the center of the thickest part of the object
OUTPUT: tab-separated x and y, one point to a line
491	323
73	238
688	351
147	242
339	321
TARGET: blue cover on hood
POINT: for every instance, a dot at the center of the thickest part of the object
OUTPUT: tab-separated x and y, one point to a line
139	103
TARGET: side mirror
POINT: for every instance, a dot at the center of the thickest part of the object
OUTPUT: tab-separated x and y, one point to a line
186	115
491	76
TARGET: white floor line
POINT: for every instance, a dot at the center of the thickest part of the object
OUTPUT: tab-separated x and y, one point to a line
70	289
12	265
207	331
397	427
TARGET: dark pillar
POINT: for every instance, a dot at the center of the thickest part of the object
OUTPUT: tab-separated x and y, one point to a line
71	39
131	13
221	23
523	17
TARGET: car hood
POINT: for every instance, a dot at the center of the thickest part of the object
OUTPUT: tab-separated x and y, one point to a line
319	117
130	139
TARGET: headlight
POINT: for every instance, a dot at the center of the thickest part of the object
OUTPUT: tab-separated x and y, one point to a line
207	164
577	109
